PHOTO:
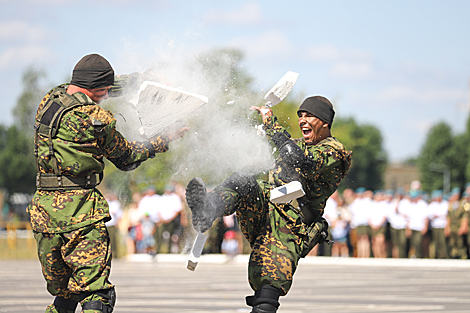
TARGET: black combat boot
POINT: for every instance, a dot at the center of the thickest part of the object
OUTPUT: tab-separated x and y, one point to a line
203	211
206	207
264	308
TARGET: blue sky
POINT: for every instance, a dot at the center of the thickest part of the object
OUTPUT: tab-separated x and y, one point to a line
402	66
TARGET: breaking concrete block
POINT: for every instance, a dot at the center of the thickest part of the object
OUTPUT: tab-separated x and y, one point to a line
287	192
281	89
160	106
196	251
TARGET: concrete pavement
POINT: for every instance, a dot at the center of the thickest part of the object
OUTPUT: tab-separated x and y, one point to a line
321	284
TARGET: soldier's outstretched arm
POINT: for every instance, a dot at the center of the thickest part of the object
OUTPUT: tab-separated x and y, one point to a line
128	155
291	153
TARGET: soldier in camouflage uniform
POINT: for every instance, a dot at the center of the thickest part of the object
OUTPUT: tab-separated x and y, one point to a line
68	213
279	233
457	225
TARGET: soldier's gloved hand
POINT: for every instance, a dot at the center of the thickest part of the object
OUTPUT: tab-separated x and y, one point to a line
125	83
178	134
291	153
176	131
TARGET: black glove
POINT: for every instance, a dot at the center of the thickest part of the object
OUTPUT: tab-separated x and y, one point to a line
291	153
318	232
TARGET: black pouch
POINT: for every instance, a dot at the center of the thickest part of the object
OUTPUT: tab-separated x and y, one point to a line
318	232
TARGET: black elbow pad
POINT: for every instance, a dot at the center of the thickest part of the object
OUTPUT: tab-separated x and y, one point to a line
291	153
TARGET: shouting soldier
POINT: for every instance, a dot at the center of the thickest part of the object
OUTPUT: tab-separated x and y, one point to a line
279	233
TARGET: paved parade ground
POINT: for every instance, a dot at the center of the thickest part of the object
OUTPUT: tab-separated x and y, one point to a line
321	284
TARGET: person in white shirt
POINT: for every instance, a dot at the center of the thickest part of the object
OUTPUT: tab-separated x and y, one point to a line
417	217
134	217
398	223
359	221
339	230
330	214
150	203
116	212
168	232
149	211
377	219
438	209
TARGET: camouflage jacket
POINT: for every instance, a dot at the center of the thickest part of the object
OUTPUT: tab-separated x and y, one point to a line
331	162
456	213
86	134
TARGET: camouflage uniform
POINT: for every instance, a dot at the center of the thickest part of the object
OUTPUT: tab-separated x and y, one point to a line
277	233
69	223
458	211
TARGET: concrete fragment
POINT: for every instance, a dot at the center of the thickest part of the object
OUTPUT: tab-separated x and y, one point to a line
160	106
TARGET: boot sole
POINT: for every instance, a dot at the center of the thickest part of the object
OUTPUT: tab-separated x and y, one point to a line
195	193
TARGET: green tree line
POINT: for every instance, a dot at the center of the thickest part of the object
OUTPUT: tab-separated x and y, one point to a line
444	159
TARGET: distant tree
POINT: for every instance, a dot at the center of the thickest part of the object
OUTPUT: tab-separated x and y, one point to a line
459	155
411	161
16	161
466	145
436	157
16	145
369	158
25	109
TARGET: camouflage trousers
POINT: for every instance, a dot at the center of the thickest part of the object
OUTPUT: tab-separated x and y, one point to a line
416	242
77	263
276	234
456	247
399	241
439	243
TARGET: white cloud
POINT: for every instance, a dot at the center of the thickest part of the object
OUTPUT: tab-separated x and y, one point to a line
248	15
271	44
19	57
322	53
426	95
330	53
30	3
352	70
350	64
20	31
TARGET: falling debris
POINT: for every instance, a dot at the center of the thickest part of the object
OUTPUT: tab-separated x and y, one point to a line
196	251
281	89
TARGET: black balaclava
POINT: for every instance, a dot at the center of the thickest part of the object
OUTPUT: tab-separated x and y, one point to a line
93	71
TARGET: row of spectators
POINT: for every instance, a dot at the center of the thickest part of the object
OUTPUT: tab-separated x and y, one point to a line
396	224
363	223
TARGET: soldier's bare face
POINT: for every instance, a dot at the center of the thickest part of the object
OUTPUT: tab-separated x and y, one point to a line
311	127
99	94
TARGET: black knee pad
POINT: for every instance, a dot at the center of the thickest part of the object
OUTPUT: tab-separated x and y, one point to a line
108	294
241	182
67	304
265	300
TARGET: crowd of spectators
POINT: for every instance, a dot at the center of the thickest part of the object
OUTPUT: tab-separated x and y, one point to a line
152	223
363	223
